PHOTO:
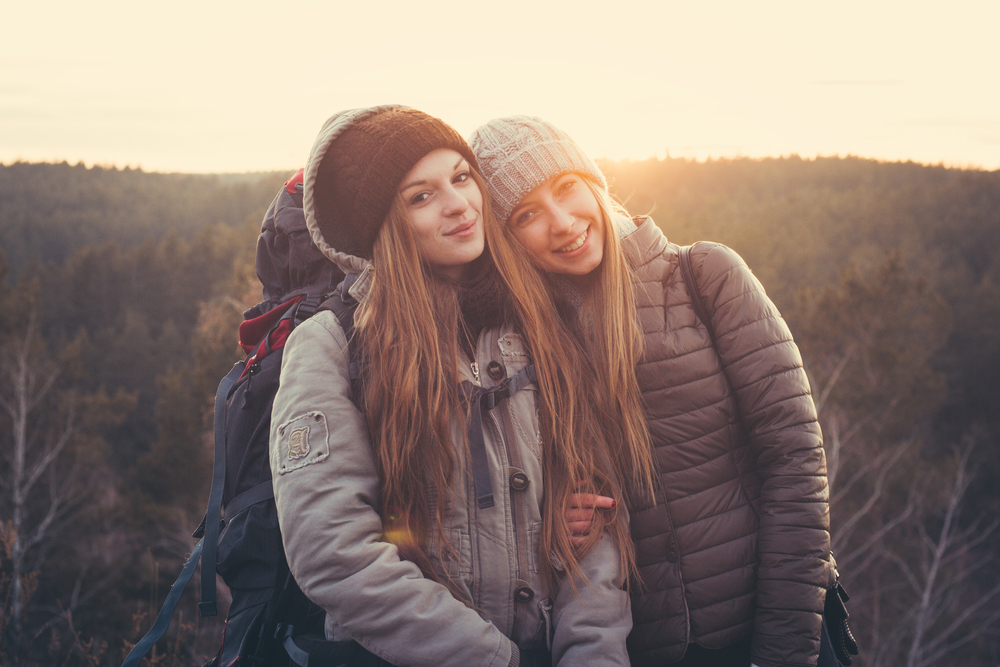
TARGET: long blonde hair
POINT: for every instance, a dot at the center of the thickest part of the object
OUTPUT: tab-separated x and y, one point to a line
593	423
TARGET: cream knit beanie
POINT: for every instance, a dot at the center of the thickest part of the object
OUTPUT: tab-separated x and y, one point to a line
518	153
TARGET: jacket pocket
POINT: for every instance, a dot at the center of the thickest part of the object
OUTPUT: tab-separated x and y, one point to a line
452	559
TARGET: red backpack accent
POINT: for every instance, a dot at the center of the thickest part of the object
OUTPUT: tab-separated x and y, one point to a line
290	184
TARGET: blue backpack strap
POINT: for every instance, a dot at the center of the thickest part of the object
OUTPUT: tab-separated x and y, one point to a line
306	308
295	654
486	399
140	650
477	446
209	528
343	306
213	517
249	498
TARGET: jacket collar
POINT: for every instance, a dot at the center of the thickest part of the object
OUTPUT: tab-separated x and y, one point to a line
644	244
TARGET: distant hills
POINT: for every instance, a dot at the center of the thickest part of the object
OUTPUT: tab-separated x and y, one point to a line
47	211
888	274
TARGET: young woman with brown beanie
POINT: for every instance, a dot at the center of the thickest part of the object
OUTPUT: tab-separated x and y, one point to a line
431	526
733	551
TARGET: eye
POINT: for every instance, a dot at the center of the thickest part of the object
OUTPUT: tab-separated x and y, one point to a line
567	185
462	177
522	218
418	198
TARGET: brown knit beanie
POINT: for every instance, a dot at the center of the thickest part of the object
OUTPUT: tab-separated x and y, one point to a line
362	169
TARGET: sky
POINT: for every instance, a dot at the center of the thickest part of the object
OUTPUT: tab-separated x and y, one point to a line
236	87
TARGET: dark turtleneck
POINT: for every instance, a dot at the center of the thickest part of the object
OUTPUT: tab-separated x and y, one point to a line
484	301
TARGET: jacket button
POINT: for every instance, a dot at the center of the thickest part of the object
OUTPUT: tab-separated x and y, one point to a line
496	370
519	480
671	556
524	594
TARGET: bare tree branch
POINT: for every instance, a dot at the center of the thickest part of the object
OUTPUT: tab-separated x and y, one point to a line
43	463
882	472
834	376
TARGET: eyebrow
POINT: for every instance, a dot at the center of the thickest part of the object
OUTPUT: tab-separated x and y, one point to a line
406	187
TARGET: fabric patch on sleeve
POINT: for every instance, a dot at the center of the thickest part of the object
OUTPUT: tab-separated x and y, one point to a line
303	441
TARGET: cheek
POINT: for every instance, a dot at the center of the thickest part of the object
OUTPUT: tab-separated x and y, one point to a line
530	240
476	200
421	231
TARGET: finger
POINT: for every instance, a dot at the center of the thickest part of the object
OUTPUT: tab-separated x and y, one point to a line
580	515
591	500
604	503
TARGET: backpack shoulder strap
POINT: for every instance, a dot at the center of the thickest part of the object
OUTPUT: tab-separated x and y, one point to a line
207	606
209	529
306	308
697	301
140	650
343	306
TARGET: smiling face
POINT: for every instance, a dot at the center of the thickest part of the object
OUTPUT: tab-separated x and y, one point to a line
561	226
445	209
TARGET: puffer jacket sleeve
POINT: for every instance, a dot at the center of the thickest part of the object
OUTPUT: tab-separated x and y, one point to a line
593	621
326	490
764	367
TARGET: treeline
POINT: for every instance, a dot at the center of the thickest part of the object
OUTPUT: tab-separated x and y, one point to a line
801	223
50	210
124	289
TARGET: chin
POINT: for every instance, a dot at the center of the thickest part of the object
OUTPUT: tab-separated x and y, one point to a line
585	266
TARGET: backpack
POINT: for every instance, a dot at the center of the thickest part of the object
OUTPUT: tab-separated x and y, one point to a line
270	621
269	617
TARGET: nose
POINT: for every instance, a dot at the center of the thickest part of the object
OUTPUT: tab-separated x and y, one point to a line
455	203
561	220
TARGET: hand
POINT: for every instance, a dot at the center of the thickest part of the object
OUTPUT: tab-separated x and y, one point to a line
580	514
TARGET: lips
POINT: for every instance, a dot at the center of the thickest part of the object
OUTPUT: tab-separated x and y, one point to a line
464	227
577	243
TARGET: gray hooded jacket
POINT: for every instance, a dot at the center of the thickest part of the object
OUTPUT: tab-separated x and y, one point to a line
327	493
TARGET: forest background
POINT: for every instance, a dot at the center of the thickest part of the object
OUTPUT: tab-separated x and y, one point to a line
122	291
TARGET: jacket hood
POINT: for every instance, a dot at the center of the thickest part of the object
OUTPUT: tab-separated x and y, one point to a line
333	128
288	263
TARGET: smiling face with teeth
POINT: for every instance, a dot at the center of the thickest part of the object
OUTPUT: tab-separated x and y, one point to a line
561	226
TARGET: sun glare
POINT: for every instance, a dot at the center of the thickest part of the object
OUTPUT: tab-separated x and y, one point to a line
225	88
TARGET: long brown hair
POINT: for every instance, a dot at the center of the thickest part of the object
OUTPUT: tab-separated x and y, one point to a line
617	342
408	329
592	439
593	423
